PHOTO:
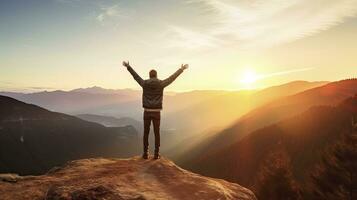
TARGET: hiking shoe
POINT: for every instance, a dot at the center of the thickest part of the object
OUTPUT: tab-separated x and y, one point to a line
157	156
145	155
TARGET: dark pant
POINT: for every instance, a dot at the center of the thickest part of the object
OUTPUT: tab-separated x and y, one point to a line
155	118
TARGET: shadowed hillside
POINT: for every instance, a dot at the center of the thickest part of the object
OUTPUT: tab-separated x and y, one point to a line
270	113
120	179
302	137
33	140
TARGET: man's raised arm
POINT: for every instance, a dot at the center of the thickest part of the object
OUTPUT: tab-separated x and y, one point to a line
133	73
171	79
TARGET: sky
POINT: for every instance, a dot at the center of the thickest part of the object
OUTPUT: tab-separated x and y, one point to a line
229	45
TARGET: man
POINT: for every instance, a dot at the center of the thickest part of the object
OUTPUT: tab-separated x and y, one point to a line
153	89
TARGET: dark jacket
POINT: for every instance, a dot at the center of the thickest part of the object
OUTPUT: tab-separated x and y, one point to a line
153	88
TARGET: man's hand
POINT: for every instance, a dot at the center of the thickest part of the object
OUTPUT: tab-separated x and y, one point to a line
184	66
126	64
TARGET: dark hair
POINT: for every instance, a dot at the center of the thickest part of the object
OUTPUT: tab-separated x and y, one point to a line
153	73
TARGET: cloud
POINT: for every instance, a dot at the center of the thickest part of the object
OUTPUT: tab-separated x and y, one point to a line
109	12
188	39
250	77
13	85
285	72
264	23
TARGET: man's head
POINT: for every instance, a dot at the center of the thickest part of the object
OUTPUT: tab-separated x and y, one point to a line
153	73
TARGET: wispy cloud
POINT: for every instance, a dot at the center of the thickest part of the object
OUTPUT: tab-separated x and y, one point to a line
13	86
20	88
263	76
249	76
109	12
264	23
188	39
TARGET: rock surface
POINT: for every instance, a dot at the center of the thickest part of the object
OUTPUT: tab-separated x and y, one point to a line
120	179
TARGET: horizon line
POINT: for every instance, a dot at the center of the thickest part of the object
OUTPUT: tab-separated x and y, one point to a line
27	90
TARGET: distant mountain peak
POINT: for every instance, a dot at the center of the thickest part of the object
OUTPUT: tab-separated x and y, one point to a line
94	89
132	178
101	90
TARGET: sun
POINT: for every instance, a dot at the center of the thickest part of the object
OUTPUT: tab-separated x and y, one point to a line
249	77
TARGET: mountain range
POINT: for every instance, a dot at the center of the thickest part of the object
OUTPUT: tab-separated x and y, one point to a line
302	126
185	113
267	114
298	119
33	139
